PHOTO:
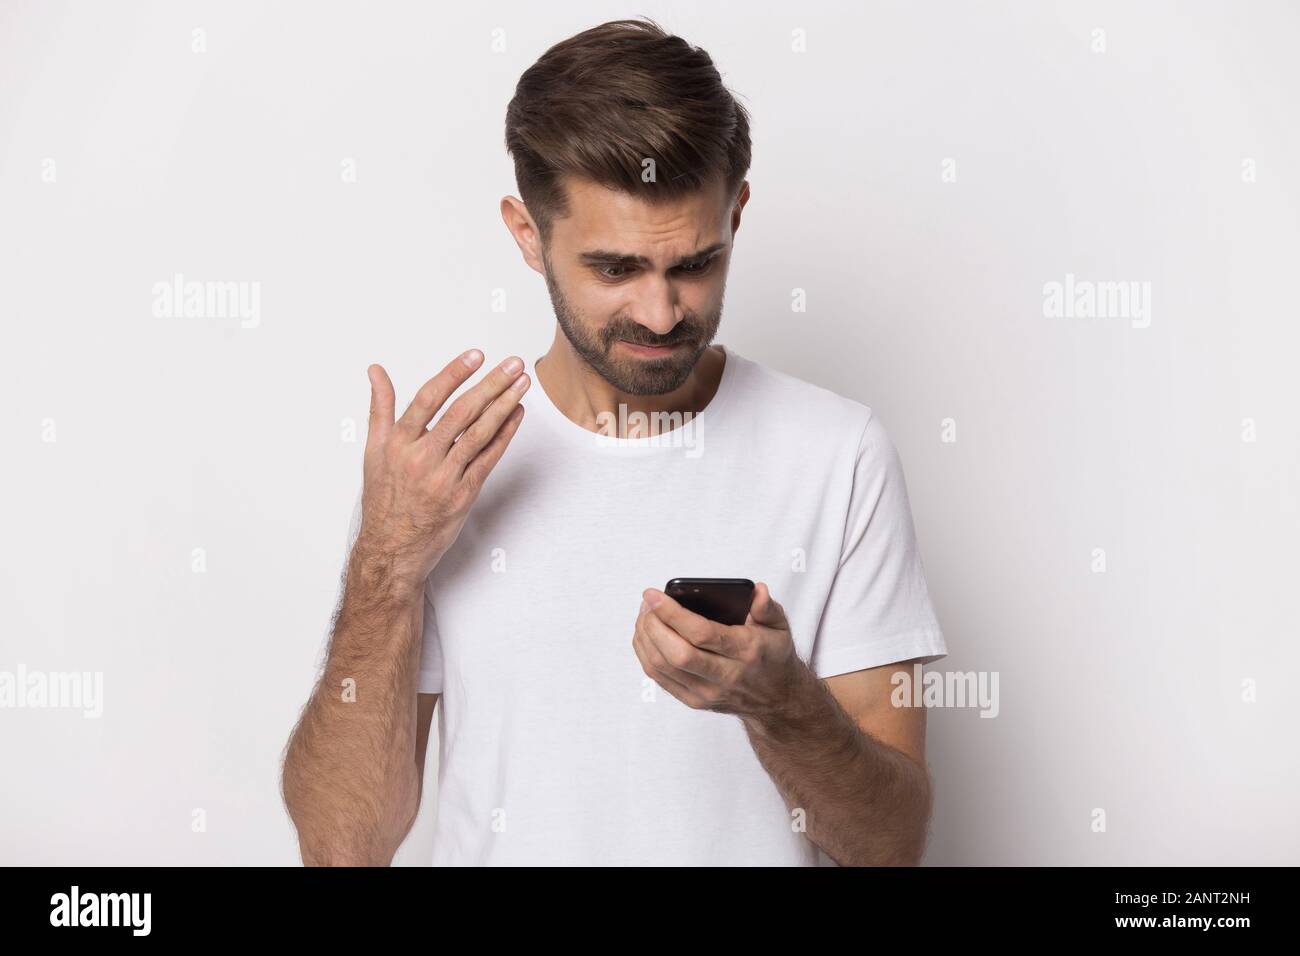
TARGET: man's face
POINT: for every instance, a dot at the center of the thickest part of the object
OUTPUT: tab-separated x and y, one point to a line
637	288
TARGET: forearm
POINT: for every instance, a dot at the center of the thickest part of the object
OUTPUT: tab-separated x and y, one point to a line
350	780
866	803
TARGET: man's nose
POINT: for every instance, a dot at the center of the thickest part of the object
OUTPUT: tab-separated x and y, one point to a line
658	312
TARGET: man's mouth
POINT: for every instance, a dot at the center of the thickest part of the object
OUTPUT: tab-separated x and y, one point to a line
651	350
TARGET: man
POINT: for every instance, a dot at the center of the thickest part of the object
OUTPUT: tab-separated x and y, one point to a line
577	727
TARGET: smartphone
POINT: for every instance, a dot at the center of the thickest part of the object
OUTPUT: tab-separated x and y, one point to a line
725	600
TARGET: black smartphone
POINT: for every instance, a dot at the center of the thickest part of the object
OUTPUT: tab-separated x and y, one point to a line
725	600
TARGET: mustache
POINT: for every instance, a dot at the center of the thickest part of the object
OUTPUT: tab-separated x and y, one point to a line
639	338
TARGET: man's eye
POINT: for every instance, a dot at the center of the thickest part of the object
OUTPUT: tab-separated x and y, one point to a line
615	271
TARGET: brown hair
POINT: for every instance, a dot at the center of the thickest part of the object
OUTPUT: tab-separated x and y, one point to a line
600	103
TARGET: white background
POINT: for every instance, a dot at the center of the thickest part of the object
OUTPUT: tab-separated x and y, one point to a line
1120	691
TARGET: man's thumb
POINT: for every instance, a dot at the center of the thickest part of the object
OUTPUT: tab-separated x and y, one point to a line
764	610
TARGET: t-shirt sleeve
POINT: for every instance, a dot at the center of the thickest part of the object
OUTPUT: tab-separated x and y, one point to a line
429	679
878	610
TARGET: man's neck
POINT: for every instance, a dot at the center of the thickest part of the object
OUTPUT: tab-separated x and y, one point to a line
581	395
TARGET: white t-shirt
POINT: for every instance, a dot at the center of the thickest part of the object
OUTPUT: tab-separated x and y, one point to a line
555	746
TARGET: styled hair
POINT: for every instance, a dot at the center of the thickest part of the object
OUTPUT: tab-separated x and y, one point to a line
601	103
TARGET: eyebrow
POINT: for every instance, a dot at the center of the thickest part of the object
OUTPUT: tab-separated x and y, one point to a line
604	257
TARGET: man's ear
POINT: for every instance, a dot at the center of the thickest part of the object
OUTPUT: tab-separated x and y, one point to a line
742	197
526	235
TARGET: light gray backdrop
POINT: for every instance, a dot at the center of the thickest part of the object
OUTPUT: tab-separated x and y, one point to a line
178	488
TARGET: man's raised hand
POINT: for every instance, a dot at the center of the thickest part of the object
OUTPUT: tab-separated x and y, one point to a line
419	481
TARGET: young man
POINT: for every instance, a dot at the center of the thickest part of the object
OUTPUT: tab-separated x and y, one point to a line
588	718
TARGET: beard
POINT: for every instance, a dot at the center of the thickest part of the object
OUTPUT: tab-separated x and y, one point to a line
627	373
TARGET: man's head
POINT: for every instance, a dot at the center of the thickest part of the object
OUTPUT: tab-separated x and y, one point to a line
630	156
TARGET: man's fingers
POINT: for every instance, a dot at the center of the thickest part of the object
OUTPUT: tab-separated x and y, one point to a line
664	680
465	410
485	428
680	651
381	404
663	649
435	392
477	470
696	628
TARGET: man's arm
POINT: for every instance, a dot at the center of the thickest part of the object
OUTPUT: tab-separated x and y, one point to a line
350	780
854	763
354	765
837	749
323	811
